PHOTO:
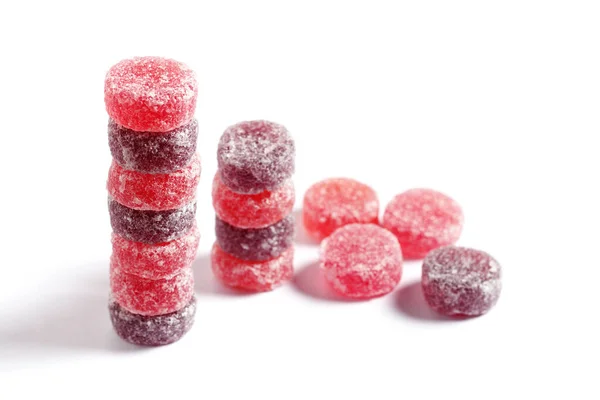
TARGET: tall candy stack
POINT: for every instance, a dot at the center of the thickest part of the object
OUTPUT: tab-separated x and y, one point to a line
152	198
253	196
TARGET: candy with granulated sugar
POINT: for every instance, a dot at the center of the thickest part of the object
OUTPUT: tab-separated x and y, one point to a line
361	260
423	220
459	281
254	276
333	203
156	330
150	296
153	152
157	192
151	94
255	244
149	226
252	210
254	156
156	261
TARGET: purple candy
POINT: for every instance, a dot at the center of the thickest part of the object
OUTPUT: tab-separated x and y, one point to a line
149	226
155	330
255	156
153	152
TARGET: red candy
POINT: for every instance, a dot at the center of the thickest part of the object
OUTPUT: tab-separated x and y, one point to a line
254	276
361	261
423	220
151	296
157	192
333	203
252	210
150	94
156	261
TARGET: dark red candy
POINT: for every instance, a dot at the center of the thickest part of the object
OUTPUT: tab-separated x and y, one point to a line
148	226
156	330
255	244
153	152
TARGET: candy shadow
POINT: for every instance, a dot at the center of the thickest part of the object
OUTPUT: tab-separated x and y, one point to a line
409	301
311	281
302	237
205	282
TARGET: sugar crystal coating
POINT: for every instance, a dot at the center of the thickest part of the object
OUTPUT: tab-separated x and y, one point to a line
151	296
254	276
361	260
255	244
157	192
333	203
459	281
156	261
153	152
149	226
254	156
151	94
156	330
252	210
423	220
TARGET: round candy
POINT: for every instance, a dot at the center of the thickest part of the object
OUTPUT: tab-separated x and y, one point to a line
255	244
333	203
459	281
156	261
150	94
361	261
255	156
423	220
148	226
151	296
254	276
154	191
252	210
153	152
157	330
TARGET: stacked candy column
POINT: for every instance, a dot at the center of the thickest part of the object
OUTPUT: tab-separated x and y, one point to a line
152	188
253	196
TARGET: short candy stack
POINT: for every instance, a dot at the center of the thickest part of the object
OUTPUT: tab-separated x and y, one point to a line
152	198
253	196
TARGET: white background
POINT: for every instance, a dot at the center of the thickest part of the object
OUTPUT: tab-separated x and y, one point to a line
495	103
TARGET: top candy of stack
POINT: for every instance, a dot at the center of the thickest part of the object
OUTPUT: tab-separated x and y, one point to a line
150	94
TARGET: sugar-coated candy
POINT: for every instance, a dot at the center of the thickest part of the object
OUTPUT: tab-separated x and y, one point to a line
254	156
151	94
252	210
333	203
255	244
151	296
156	261
149	226
156	330
157	192
153	152
361	260
459	281
254	276
423	220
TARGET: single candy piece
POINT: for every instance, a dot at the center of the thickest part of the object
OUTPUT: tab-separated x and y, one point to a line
423	220
252	210
151	296
254	156
151	94
459	281
254	276
361	261
333	203
255	244
156	330
153	152
154	191
148	226
156	261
